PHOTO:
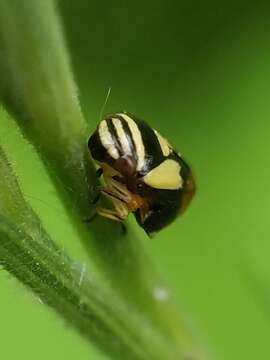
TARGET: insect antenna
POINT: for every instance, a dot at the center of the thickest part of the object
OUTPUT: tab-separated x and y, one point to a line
105	103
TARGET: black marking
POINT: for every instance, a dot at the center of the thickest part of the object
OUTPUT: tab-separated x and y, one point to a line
153	152
129	137
113	132
96	148
164	208
184	168
98	151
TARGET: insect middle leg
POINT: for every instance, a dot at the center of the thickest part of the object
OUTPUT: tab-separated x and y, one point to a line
117	190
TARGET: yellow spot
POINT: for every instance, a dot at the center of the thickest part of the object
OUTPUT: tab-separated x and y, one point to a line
107	140
165	176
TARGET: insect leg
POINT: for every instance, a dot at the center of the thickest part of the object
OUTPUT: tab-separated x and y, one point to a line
109	214
111	194
120	208
118	190
115	215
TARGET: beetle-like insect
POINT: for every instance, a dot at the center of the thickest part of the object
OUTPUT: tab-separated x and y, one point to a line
142	172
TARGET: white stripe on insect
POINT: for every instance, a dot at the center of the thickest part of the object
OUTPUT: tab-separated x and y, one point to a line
137	138
107	140
122	136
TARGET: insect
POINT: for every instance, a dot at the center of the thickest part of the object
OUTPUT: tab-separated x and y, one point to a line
142	172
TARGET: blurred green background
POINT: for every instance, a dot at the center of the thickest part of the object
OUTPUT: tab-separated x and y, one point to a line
200	73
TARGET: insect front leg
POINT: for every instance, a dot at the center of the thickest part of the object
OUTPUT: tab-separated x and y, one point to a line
120	191
120	210
109	214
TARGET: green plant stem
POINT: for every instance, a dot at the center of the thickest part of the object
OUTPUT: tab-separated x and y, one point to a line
50	276
38	88
43	93
27	252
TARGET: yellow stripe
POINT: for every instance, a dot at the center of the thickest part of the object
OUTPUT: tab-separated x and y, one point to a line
137	138
122	136
107	140
164	145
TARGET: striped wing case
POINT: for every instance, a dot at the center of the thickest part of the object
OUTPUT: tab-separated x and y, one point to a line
148	165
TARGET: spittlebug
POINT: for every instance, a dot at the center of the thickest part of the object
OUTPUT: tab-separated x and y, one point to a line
143	174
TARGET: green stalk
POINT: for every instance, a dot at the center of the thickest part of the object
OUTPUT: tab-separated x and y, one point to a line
39	90
38	267
27	252
95	310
